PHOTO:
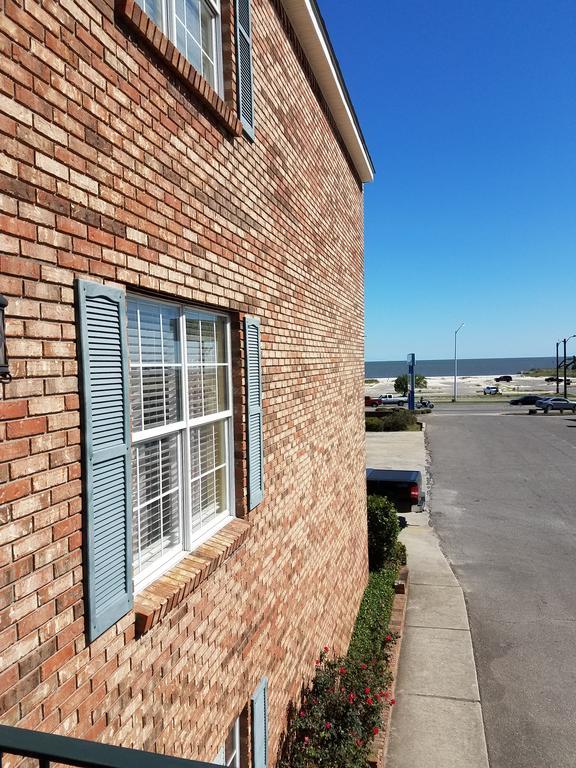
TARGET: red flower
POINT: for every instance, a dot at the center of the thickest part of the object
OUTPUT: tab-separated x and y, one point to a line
342	670
359	742
392	701
369	700
302	713
363	666
366	690
328	726
351	698
326	649
306	739
317	662
375	730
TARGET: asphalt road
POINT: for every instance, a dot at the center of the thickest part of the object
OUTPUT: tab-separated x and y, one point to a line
503	501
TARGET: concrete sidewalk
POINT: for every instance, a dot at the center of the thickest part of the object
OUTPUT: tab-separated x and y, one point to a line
437	720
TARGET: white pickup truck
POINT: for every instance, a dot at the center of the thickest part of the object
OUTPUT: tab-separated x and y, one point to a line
392	399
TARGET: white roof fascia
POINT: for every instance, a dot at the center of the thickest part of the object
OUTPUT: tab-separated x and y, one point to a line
304	17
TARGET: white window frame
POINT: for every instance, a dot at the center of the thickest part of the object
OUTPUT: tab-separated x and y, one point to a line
169	29
189	539
220	758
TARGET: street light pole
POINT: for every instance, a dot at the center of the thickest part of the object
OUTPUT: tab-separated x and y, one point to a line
456	363
558	368
564	363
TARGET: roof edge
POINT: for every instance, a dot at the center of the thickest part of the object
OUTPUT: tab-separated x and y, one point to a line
309	26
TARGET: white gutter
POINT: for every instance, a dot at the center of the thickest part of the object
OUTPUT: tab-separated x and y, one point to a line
311	32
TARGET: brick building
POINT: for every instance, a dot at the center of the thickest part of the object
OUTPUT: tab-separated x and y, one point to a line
182	498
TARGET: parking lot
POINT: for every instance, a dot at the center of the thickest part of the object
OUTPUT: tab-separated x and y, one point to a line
503	500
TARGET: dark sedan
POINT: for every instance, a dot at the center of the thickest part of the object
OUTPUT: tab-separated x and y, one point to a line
560	380
527	399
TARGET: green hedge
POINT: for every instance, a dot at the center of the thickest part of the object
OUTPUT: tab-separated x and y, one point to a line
340	710
383	530
391	421
371	629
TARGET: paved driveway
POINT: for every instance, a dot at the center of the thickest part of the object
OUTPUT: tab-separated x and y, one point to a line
504	505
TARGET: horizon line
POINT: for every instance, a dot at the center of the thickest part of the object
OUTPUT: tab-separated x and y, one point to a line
438	359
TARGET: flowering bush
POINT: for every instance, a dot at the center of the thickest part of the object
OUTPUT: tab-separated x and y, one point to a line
340	713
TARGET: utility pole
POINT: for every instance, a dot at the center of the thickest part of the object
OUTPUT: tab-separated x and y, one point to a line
565	365
456	364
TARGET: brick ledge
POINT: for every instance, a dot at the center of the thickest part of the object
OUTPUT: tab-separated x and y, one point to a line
130	12
164	594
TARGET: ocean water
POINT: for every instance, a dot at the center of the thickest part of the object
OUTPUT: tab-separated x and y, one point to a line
466	367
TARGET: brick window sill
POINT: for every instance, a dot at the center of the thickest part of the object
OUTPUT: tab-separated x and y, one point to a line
164	594
135	17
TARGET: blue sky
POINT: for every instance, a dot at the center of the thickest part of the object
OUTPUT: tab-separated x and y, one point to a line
469	111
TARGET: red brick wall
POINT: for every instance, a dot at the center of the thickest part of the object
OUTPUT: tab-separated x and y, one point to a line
113	170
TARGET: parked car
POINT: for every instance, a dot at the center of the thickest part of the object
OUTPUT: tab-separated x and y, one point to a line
556	404
402	486
491	390
558	379
503	378
527	399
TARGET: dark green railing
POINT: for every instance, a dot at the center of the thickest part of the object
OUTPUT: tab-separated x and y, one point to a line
49	748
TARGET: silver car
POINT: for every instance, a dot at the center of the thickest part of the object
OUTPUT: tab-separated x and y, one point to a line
556	404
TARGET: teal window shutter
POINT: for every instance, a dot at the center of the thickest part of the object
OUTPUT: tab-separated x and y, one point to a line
106	445
260	726
254	412
245	80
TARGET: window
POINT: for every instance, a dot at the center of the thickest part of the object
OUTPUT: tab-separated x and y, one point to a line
194	28
181	430
229	753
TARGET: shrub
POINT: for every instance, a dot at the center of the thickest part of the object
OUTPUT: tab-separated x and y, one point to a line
369	639
373	424
391	421
340	713
402	383
383	530
400	553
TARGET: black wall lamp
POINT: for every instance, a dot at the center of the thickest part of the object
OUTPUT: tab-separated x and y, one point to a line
4	373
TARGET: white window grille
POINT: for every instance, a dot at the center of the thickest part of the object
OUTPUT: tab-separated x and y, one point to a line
195	29
180	384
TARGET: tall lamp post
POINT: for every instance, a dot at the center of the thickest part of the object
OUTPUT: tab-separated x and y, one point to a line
564	363
558	368
456	363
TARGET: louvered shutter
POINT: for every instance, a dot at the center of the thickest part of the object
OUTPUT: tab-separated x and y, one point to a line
106	436
254	412
245	81
260	726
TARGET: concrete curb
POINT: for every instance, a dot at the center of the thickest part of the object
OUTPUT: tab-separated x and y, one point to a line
377	758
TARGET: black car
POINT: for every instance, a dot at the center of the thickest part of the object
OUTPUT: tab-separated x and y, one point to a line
527	399
503	378
560	380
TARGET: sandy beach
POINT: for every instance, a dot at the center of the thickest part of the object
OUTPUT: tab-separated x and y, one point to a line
442	387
